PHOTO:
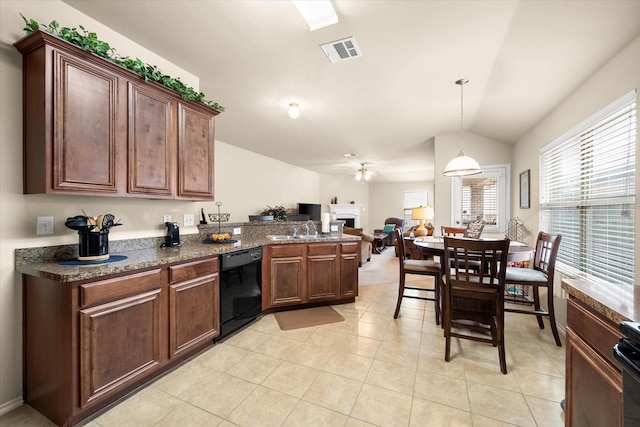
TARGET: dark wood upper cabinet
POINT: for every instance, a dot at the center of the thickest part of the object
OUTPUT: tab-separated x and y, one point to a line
92	127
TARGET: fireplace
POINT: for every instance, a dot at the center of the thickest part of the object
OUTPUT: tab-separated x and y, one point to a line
348	222
350	214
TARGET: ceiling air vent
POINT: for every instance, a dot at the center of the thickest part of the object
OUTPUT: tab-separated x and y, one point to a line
341	50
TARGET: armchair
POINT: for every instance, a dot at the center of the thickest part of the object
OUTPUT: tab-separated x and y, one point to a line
398	224
366	244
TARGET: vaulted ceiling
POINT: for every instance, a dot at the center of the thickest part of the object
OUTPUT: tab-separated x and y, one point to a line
255	57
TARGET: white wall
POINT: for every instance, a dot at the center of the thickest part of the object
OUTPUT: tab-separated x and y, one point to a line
245	182
620	75
387	200
484	150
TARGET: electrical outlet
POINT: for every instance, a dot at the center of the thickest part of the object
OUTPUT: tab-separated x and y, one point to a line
237	230
189	220
166	218
44	225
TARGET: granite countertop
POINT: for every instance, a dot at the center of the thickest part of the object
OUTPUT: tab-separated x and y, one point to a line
32	262
617	302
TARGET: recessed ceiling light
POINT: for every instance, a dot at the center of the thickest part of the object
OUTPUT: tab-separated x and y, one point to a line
317	13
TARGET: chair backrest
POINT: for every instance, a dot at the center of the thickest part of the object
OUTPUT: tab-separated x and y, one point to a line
400	245
452	231
474	229
547	246
459	255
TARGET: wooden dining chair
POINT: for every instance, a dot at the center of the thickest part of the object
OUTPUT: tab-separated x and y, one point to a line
474	299
459	232
540	276
422	267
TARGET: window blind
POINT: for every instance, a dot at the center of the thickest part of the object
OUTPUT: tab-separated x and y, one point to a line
587	194
480	199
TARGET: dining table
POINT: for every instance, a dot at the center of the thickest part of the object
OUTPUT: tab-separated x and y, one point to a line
434	245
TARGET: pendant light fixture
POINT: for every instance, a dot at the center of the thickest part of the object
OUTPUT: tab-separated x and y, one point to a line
462	165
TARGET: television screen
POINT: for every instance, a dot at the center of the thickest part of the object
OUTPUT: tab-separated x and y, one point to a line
311	209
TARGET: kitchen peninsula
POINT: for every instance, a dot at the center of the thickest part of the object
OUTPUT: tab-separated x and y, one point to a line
593	376
94	333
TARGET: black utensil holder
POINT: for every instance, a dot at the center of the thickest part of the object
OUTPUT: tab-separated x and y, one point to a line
93	245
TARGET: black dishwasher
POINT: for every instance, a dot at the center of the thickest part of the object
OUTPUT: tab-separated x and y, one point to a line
627	352
240	289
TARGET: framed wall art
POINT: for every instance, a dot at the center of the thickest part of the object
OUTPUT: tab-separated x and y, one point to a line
525	191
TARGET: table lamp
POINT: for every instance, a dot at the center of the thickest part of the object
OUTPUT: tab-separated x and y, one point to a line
421	213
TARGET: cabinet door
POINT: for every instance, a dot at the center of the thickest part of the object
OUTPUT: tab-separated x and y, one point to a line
85	105
323	272
119	343
149	142
193	313
594	387
349	269
285	276
195	153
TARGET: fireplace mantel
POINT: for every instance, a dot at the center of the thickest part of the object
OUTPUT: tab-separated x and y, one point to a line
344	211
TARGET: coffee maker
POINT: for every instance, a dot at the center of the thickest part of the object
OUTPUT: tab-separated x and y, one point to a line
173	234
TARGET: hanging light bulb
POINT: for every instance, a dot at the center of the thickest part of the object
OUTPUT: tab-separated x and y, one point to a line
294	110
359	176
462	165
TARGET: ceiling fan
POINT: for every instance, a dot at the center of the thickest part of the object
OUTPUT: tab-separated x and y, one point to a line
363	174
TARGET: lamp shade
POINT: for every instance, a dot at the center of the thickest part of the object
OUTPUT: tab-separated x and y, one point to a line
462	165
419	213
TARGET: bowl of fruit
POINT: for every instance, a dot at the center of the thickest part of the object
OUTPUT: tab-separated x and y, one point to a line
218	238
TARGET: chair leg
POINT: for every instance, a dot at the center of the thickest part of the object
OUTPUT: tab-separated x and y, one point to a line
552	317
536	305
446	324
400	296
437	285
500	332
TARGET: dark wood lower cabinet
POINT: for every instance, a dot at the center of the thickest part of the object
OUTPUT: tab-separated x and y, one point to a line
87	344
192	320
119	341
300	274
593	376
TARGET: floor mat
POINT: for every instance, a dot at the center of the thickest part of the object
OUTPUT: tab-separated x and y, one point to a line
306	317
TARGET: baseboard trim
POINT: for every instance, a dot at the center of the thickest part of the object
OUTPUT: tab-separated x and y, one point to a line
9	406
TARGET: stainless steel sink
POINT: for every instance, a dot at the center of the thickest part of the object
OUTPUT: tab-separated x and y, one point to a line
280	237
291	237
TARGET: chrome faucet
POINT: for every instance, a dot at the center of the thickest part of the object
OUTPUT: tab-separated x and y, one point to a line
307	226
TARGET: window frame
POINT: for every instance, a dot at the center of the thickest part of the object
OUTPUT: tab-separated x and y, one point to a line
503	173
584	208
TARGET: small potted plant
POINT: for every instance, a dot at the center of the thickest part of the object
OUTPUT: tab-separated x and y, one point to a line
278	212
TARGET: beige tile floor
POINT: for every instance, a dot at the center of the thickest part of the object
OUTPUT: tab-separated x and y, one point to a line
369	370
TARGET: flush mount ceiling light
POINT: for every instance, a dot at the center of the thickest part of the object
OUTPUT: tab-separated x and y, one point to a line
294	110
350	155
462	165
317	13
363	174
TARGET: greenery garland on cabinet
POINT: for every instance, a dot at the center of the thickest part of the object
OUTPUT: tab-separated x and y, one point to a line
90	42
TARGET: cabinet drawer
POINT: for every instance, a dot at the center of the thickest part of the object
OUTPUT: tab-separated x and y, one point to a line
119	287
349	248
601	334
191	270
278	251
322	249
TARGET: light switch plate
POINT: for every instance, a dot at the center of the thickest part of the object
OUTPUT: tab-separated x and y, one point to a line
237	230
189	220
44	225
